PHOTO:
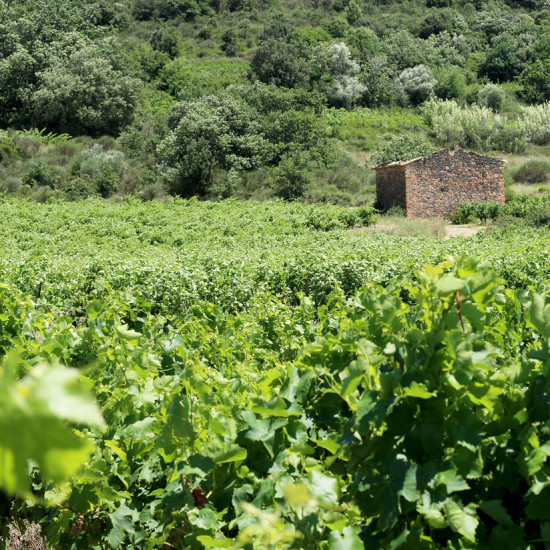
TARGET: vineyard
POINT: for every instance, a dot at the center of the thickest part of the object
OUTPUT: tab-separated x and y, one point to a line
270	376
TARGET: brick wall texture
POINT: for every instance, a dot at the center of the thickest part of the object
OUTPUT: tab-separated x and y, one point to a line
436	184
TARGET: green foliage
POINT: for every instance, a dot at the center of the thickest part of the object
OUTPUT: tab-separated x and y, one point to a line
40	175
292	177
241	130
491	96
7	148
281	64
255	372
415	85
475	127
451	83
535	82
214	132
400	148
165	40
84	93
533	171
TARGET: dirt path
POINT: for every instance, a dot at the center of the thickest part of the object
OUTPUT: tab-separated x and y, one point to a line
460	231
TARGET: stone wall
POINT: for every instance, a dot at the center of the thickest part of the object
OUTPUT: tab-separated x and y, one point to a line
391	186
435	185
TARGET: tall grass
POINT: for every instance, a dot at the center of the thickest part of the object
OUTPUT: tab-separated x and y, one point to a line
475	127
536	121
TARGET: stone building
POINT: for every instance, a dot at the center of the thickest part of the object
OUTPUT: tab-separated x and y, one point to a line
436	184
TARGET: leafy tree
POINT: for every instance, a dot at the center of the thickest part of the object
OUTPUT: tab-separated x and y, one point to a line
415	85
345	88
215	132
507	57
363	43
188	9
403	50
83	93
165	40
491	96
353	12
230	43
451	83
377	77
535	82
291	177
145	10
276	62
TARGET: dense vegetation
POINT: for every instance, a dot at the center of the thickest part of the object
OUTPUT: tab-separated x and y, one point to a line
179	373
258	99
253	367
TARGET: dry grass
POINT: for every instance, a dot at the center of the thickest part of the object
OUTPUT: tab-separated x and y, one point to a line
530	189
405	227
25	537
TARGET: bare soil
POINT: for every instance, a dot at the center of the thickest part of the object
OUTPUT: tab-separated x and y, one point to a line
461	231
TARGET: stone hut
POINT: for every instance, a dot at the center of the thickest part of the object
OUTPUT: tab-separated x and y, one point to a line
436	184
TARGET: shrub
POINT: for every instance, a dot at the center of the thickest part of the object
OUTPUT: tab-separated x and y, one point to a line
400	148
415	85
95	161
469	211
464	214
536	121
533	171
451	83
345	89
276	62
10	185
80	188
366	215
475	127
290	179
486	211
539	217
535	81
491	96
348	218
83	93
7	148
165	40
40	175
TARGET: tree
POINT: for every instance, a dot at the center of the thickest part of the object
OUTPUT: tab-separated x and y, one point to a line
165	40
353	12
215	132
451	83
276	62
415	85
377	77
535	82
345	89
491	96
83	93
508	55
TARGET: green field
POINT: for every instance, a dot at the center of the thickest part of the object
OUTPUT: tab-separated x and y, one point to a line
263	376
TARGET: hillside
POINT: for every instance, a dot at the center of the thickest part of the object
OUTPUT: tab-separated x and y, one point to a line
260	99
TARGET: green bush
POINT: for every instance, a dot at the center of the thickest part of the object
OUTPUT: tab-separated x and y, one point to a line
491	96
291	178
366	215
533	171
8	149
464	214
400	148
539	217
80	189
40	175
